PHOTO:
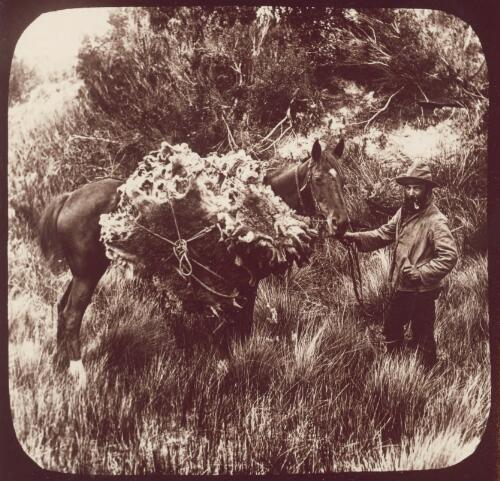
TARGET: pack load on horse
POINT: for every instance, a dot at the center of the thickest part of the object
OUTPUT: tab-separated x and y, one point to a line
205	230
180	215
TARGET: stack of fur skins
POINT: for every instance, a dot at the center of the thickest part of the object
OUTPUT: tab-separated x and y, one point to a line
237	231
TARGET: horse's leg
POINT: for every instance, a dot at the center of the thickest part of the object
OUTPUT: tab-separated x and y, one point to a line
241	326
77	230
246	320
79	298
61	357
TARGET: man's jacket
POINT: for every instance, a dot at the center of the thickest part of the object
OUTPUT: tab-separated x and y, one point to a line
422	240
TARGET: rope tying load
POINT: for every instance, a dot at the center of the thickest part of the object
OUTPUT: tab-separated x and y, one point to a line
184	218
181	251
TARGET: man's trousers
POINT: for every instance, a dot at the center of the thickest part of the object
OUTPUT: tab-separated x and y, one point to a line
418	308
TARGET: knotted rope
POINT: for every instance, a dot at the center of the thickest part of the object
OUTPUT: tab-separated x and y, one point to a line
181	252
180	249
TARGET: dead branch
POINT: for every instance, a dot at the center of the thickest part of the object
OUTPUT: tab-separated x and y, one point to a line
237	68
378	112
483	63
376	62
277	140
284	119
281	122
88	137
230	138
421	91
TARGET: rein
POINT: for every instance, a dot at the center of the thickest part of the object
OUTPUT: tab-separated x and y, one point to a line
355	272
352	250
357	280
300	189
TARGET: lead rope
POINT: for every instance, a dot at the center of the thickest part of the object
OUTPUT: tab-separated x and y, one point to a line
357	283
356	277
357	280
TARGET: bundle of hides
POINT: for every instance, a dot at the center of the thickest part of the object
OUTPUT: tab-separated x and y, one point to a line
234	230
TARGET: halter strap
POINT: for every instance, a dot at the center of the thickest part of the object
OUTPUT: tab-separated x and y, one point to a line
300	189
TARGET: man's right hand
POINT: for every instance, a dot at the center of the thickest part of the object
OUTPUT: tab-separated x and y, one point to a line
351	237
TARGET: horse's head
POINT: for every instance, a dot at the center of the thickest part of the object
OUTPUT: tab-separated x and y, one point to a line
326	185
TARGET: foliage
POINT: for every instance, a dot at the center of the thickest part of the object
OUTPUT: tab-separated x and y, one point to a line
173	81
23	79
226	78
420	55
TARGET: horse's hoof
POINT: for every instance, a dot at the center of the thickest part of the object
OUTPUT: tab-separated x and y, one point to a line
77	372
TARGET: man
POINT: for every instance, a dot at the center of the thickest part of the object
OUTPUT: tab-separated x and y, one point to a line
424	253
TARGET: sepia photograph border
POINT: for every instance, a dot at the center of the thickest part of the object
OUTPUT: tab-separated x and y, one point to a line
484	17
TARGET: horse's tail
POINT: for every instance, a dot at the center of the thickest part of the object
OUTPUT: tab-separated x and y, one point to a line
50	243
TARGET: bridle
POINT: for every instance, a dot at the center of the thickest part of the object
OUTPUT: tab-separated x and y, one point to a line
317	212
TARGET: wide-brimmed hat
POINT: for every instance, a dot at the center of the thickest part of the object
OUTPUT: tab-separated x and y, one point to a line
417	173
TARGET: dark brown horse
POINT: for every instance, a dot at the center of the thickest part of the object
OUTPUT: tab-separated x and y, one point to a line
69	229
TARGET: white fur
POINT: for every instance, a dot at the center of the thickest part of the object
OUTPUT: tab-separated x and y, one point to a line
77	372
333	173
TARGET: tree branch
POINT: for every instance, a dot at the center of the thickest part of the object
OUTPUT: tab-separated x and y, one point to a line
277	140
88	137
378	112
230	138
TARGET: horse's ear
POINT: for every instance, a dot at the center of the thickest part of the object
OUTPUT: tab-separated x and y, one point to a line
339	149
316	151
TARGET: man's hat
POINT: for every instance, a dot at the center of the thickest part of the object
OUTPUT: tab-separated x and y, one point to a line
417	173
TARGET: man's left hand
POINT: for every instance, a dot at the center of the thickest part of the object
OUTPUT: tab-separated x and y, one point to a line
411	273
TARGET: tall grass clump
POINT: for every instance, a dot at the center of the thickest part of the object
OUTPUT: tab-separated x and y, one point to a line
466	323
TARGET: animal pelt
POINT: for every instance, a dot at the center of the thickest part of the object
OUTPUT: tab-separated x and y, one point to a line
237	231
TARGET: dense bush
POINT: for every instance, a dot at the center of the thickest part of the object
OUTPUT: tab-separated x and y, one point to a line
227	85
220	78
216	77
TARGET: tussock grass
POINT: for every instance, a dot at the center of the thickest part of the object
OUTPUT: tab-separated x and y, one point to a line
322	400
460	323
307	392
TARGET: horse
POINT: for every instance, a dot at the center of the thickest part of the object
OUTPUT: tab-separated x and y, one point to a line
69	230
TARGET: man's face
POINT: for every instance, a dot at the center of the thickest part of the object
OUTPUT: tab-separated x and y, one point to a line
415	195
